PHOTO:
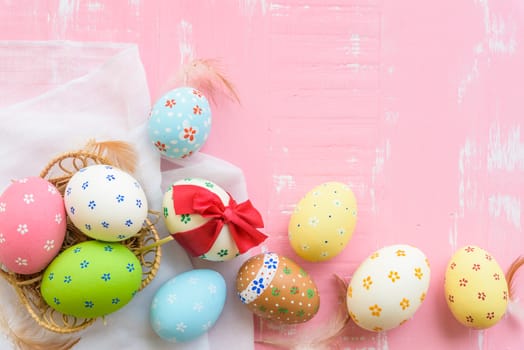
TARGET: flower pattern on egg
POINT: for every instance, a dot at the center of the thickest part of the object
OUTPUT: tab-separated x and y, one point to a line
313	221
473	306
49	244
171	298
22	229
29	198
400	265
288	296
198	306
181	327
393	276
401	252
258	285
212	289
21	261
367	282
375	310
404	303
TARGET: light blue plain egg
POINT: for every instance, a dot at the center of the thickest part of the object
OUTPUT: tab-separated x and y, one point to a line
188	305
180	122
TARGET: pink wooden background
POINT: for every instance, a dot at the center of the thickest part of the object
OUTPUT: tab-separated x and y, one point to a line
417	105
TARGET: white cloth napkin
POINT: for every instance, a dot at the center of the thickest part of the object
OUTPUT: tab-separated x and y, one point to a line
54	97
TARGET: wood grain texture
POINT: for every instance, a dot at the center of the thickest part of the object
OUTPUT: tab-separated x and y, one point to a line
417	106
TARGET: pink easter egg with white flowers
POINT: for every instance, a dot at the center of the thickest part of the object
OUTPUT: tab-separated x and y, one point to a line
32	225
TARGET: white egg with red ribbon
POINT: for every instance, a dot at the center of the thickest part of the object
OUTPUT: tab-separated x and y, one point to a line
207	221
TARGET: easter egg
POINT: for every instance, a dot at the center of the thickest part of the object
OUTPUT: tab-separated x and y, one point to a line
91	279
388	287
475	288
198	227
188	305
323	222
276	288
105	203
180	122
32	225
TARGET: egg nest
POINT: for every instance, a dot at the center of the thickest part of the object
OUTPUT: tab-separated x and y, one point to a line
58	172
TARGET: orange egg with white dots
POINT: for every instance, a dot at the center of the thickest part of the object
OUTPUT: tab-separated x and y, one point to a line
276	288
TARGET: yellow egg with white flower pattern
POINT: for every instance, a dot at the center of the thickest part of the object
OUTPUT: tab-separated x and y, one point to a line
323	222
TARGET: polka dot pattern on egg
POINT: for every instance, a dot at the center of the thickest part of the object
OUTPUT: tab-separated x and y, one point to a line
323	222
275	288
180	122
262	280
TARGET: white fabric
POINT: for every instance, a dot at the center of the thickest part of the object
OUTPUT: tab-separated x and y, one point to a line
54	97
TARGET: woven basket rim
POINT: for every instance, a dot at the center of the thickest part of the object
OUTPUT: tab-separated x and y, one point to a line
27	287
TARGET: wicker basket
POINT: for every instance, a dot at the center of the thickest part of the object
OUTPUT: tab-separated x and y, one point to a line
58	172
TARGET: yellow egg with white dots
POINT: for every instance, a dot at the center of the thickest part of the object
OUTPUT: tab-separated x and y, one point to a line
323	221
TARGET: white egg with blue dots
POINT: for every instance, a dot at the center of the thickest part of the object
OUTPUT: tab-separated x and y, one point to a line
105	203
188	305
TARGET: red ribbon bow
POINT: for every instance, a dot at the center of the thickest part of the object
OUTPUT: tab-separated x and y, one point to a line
242	220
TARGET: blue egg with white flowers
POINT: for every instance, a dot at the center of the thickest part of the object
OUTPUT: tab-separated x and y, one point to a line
180	122
188	305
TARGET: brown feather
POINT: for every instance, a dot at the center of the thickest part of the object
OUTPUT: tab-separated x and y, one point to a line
320	338
511	273
119	153
23	331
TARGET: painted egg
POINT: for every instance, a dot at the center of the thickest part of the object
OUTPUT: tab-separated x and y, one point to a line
224	247
276	288
475	288
180	122
105	203
388	287
32	225
323	222
188	305
91	279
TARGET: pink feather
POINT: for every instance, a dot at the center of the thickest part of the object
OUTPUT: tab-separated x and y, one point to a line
205	75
